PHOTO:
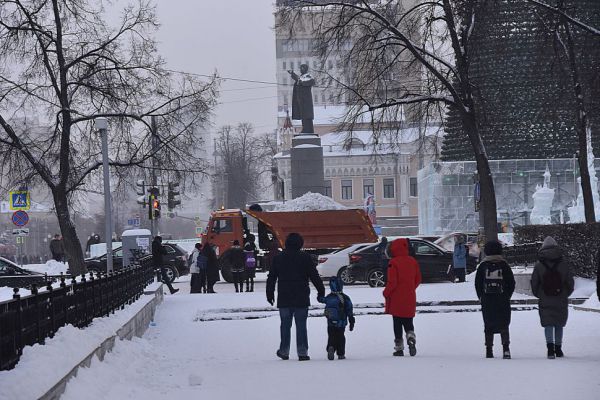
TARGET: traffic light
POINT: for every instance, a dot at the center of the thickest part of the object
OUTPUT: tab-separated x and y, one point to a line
154	212
140	189
173	198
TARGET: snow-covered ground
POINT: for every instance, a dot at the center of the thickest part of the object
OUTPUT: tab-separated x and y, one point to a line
51	267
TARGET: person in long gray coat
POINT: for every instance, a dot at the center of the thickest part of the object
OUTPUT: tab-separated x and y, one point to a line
552	283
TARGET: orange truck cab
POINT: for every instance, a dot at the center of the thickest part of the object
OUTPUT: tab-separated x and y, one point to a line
322	231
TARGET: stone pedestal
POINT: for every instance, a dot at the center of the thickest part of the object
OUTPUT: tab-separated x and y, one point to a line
306	164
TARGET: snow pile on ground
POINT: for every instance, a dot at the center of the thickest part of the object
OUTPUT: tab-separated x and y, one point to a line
51	267
584	287
592	302
310	202
42	366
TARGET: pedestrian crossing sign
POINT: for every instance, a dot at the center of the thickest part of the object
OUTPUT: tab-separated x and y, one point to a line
20	200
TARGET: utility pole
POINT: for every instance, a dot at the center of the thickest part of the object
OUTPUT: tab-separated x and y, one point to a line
155	143
102	126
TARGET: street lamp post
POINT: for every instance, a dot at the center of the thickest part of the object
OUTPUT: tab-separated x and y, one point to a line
102	125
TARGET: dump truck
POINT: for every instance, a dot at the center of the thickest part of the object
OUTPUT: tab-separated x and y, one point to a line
323	231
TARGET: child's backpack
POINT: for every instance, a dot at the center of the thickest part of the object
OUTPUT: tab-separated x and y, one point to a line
493	280
201	261
335	310
551	281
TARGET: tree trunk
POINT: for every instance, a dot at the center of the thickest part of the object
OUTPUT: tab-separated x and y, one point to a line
74	253
486	183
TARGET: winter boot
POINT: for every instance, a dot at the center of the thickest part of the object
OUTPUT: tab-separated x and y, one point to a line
558	350
330	353
489	351
506	352
551	351
341	357
282	356
398	348
411	339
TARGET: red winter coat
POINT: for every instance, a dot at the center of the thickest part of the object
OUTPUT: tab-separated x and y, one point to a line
404	276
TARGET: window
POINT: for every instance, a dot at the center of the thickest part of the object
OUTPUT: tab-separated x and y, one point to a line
368	187
284	65
316	98
222	225
285	99
421	248
347	189
414	192
169	249
292	65
327	188
323	97
388	188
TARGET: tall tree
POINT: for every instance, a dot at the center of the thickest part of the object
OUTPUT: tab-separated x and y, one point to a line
381	39
62	63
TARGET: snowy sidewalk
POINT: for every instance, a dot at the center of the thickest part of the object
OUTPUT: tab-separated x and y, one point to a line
182	357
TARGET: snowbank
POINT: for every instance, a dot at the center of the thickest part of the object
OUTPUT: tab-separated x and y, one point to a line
310	202
51	267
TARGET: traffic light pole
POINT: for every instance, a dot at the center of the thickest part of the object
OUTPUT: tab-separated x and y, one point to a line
154	139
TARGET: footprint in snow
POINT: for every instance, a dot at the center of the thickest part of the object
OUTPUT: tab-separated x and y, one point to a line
195	380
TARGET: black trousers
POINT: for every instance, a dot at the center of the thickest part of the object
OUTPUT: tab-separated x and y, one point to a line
336	339
460	274
238	278
400	322
504	337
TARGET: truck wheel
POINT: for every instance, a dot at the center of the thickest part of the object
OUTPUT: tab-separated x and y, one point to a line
376	278
226	274
345	276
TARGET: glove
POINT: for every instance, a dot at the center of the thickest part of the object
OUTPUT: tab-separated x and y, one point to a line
320	299
351	326
270	300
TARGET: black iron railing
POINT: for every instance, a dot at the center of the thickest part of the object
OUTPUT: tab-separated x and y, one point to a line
31	319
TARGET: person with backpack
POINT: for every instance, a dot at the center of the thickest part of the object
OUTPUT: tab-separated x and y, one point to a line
338	310
400	293
250	267
552	283
495	284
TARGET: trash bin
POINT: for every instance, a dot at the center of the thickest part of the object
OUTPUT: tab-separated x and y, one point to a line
136	240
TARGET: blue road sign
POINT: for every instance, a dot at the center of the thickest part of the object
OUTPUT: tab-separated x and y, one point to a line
20	218
19	200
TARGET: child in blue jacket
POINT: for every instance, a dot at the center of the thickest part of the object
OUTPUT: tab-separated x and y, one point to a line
338	310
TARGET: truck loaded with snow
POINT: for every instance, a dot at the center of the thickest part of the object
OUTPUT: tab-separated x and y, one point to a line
329	227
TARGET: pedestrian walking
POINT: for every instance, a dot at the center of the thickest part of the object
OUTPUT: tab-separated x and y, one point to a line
158	251
212	267
198	270
57	248
495	284
552	283
291	270
459	258
235	260
250	271
338	311
400	293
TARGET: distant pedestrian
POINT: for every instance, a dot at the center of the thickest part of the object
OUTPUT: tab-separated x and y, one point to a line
235	260
290	272
57	248
400	293
495	284
198	267
459	258
158	251
552	283
339	311
212	267
250	272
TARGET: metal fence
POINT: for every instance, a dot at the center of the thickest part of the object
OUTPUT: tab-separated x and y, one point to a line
31	319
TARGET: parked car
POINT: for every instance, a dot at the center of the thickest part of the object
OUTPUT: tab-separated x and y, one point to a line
12	275
336	263
175	261
370	265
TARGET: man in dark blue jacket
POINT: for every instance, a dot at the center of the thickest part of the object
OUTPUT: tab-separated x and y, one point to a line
292	270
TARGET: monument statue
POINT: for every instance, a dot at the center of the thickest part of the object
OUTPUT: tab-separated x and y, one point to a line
302	101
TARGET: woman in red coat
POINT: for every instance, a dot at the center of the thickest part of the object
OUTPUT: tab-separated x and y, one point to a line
403	278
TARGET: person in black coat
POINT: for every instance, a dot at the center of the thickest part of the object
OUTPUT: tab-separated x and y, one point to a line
291	271
235	258
495	284
158	251
212	267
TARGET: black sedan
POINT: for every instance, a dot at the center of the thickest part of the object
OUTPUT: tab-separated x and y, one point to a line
175	261
11	275
370	264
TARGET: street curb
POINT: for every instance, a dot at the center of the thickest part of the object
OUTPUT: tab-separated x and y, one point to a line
136	326
586	309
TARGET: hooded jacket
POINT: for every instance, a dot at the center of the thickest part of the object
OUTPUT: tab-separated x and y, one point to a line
403	278
553	310
338	305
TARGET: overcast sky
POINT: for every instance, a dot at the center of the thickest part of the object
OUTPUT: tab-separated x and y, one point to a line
233	37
